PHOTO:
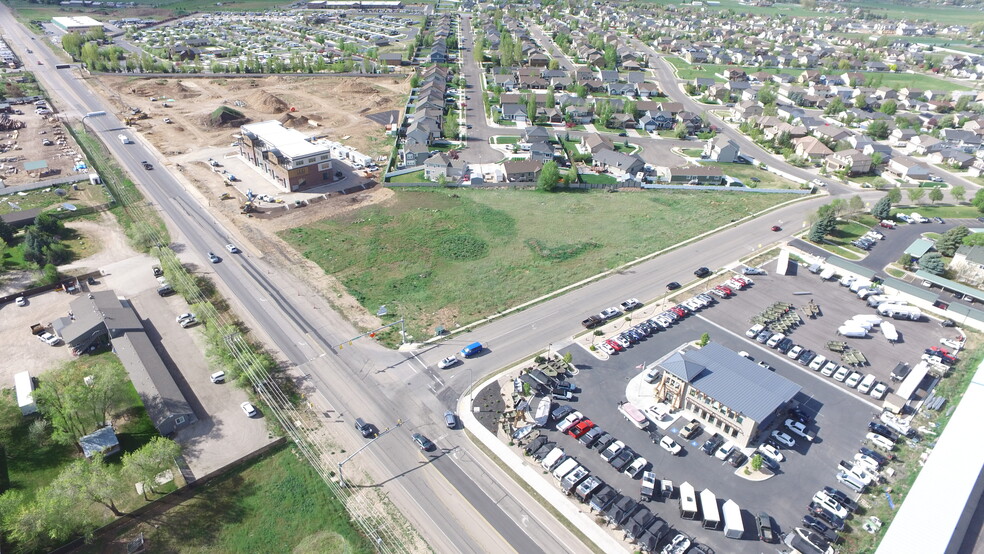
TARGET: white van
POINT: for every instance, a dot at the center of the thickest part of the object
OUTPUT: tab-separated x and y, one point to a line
725	450
867	383
555	456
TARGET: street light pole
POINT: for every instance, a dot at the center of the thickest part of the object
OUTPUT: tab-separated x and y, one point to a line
341	478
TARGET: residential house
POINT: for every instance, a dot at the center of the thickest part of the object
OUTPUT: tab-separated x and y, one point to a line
901	136
514	112
505	80
618	163
925	144
647	90
977	168
745	110
440	166
415	155
811	148
830	132
721	149
907	168
968	265
692	174
522	171
541	151
594	143
952	157
854	161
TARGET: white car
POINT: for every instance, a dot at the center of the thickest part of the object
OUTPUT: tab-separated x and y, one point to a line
447	362
794	352
621	341
950	343
20	301
774	340
868	463
754	331
636	467
783	438
744	354
48	338
817	363
606	348
183	317
829	368
248	409
670	446
878	392
764	365
232	248
796	426
854	379
835	507
569	422
880	441
772	453
841	374
613	449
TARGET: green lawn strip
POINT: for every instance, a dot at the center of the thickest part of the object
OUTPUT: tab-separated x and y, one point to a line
940	210
597	179
874	181
897	273
427	254
745	172
415	177
693	152
505	140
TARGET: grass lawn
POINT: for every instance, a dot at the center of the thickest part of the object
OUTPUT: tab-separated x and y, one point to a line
874	181
415	177
596	179
940	210
446	258
693	152
745	172
274	504
88	195
505	140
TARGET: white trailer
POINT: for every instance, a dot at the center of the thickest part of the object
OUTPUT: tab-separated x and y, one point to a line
24	386
709	506
827	274
858	323
852	332
733	526
868	318
688	502
888	329
565	467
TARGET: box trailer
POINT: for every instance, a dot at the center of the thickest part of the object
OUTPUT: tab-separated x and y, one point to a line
688	502
734	528
565	467
709	506
890	332
24	387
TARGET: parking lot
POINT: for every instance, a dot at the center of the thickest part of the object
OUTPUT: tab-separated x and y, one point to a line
841	414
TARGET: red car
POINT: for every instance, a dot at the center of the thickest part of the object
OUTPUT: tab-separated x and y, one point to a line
725	290
678	312
581	428
618	347
776	228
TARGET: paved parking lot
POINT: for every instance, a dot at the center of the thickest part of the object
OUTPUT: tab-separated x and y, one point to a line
841	415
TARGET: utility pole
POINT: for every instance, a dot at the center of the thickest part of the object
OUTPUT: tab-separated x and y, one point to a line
341	478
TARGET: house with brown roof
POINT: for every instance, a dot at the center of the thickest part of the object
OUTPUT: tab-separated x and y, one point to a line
692	174
811	148
854	161
522	171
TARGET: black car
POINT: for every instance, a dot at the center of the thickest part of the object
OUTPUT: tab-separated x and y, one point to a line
623	459
561	412
785	345
603	441
712	444
806	357
702	272
828	517
737	458
815	524
769	462
672	285
799	415
947	323
841	498
882	430
938	220
764	523
877	456
655	436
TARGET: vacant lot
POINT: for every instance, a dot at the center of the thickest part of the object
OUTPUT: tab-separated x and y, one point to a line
441	257
745	172
275	504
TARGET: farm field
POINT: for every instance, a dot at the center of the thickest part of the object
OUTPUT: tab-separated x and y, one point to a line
449	257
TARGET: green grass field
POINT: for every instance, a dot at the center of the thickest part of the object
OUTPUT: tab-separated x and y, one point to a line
689	72
940	210
275	504
415	177
439	257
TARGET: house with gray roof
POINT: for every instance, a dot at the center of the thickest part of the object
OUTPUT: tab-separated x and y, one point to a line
617	163
725	391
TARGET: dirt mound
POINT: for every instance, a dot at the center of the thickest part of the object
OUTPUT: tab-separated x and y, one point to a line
264	102
224	116
353	86
294	121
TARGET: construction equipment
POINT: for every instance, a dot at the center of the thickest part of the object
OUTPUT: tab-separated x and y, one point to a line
247	207
225	196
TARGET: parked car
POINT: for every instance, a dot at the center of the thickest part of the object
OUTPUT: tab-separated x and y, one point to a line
769	451
612	450
737	458
248	409
842	498
774	340
763	522
785	345
20	301
702	272
691	429
569	421
670	446
712	444
794	352
806	357
630	304
49	339
783	439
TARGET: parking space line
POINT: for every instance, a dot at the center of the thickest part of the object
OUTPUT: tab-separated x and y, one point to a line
807	371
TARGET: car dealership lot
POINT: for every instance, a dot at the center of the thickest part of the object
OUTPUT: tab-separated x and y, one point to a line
841	414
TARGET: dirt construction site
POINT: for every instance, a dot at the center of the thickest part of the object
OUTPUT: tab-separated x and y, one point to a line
351	111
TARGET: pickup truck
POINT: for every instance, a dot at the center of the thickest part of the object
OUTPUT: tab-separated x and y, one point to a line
592	321
124	139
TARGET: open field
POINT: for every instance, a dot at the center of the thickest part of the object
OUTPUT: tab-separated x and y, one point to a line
690	72
939	210
274	504
87	195
449	257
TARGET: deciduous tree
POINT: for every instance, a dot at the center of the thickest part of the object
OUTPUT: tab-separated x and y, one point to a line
915	194
76	408
549	177
958	193
144	464
935	194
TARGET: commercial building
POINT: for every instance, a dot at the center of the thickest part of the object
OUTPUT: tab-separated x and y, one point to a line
286	156
728	393
76	24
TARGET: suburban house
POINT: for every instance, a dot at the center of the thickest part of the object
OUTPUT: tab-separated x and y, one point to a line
415	155
745	110
514	112
952	157
441	166
811	148
523	171
728	392
721	149
968	265
617	163
541	151
595	142
925	144
908	168
692	174
854	161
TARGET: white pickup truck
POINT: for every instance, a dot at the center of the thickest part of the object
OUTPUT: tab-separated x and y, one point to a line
124	139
